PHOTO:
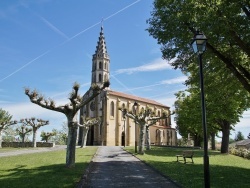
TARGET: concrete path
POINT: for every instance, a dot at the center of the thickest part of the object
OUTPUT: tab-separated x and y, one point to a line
114	167
31	150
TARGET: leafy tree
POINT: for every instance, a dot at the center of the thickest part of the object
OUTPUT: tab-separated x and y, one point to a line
9	134
144	119
47	135
70	110
23	131
61	135
239	136
35	124
5	121
225	23
225	103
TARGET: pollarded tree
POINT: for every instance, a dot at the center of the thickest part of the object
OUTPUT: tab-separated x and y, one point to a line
23	131
35	124
86	124
144	119
70	110
5	121
47	135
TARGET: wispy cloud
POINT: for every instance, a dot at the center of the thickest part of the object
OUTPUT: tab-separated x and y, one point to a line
68	40
177	80
53	27
156	65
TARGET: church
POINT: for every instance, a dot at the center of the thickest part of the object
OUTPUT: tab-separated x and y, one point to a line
114	129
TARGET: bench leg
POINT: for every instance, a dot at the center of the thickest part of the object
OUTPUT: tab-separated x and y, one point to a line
184	160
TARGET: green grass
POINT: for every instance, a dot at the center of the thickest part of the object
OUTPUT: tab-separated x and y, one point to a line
45	169
225	170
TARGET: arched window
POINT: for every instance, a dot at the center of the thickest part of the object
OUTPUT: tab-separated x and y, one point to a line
100	78
100	65
112	109
105	65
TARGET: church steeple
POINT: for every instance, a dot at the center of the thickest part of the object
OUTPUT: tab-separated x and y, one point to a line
100	62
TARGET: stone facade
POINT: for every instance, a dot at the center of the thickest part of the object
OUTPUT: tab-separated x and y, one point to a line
113	129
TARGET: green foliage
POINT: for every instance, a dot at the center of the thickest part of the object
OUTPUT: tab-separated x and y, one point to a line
245	153
239	136
60	137
225	23
47	135
4	116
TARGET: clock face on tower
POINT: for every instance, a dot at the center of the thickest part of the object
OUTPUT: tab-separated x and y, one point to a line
92	106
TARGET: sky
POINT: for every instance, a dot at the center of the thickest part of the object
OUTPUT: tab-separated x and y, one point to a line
48	45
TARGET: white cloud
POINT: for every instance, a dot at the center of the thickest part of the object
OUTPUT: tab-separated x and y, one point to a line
28	110
156	65
177	80
54	28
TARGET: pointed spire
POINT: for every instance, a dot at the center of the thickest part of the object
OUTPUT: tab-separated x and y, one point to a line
101	48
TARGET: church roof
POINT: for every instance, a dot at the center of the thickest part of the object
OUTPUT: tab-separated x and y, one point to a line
136	98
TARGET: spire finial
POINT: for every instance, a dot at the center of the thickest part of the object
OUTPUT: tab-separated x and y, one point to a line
102	23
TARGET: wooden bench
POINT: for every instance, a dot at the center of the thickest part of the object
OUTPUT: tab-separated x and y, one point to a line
186	154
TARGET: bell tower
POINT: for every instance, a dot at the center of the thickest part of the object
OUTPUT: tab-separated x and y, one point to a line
100	62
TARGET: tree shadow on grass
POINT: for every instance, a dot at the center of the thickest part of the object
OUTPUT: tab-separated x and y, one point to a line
192	176
45	176
173	151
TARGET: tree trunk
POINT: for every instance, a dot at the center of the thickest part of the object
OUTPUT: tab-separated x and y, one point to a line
34	138
142	138
213	141
71	144
84	136
197	140
225	125
148	138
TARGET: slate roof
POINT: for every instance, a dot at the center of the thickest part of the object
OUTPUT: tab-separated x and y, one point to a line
243	142
135	98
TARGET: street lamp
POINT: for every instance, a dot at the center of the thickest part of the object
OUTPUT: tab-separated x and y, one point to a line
135	108
124	118
199	46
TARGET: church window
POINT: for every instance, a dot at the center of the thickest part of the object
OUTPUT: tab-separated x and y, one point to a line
142	110
123	107
100	78
112	109
105	65
100	65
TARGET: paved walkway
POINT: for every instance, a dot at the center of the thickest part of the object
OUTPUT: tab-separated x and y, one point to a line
31	150
114	167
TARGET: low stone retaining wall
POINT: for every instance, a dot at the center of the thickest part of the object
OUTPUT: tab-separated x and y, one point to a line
27	144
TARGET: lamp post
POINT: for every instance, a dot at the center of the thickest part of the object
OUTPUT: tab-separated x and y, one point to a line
199	46
135	108
124	118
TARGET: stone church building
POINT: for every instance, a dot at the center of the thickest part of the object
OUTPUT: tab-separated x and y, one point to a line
113	129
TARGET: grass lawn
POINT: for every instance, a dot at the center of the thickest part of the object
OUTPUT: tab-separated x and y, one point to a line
45	169
225	170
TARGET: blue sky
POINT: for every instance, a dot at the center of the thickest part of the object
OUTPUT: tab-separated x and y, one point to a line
48	45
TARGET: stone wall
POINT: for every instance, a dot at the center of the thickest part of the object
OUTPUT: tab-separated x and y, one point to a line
27	144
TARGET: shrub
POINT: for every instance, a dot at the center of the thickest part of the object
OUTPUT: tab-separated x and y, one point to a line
240	152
